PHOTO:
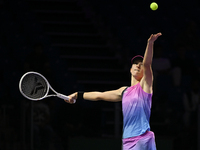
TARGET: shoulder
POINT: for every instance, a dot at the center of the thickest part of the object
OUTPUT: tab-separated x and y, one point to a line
122	89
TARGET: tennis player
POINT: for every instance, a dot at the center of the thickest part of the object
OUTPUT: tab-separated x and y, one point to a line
136	101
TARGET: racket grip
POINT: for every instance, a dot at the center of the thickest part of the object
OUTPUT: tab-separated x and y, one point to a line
64	97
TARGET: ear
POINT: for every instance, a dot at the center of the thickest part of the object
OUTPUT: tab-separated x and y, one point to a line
130	69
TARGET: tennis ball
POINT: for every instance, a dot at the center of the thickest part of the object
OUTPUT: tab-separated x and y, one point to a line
154	6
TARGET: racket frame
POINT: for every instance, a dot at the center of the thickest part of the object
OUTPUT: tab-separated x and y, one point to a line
48	86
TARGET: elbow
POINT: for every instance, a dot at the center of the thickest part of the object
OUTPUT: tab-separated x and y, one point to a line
100	96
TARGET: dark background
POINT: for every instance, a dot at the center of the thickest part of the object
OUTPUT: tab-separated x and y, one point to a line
87	45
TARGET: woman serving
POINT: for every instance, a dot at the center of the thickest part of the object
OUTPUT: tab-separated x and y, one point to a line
136	101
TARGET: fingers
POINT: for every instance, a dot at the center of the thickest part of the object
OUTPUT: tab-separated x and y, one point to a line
70	100
67	101
153	37
158	34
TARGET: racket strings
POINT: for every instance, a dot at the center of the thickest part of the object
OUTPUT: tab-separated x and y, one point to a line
34	86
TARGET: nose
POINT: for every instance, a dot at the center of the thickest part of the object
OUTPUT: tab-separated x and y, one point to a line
138	65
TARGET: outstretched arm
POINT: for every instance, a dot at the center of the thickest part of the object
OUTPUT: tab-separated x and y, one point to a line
147	81
111	96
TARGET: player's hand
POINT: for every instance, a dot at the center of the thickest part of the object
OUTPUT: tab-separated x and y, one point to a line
153	37
72	98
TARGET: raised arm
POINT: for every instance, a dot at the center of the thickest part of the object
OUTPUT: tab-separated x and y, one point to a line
111	96
147	80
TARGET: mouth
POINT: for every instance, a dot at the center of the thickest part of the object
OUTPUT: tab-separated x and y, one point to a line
136	70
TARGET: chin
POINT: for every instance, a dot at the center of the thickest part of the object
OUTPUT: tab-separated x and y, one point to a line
135	75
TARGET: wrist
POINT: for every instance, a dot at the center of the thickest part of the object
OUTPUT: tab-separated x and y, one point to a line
150	42
80	95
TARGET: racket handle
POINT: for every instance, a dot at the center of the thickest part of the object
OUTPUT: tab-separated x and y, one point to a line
64	97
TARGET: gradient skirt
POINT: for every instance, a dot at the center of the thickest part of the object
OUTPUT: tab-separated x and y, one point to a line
145	141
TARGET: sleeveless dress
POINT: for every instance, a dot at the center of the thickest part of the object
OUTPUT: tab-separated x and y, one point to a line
136	106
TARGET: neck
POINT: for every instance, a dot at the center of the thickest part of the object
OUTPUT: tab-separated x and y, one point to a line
134	81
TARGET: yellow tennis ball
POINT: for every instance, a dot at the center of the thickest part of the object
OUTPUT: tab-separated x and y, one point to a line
154	6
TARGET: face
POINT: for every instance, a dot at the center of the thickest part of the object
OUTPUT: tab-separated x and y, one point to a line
137	69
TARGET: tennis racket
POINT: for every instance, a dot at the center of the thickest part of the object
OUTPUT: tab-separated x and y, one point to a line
35	86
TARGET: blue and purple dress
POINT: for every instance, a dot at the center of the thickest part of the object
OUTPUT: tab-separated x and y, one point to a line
136	105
